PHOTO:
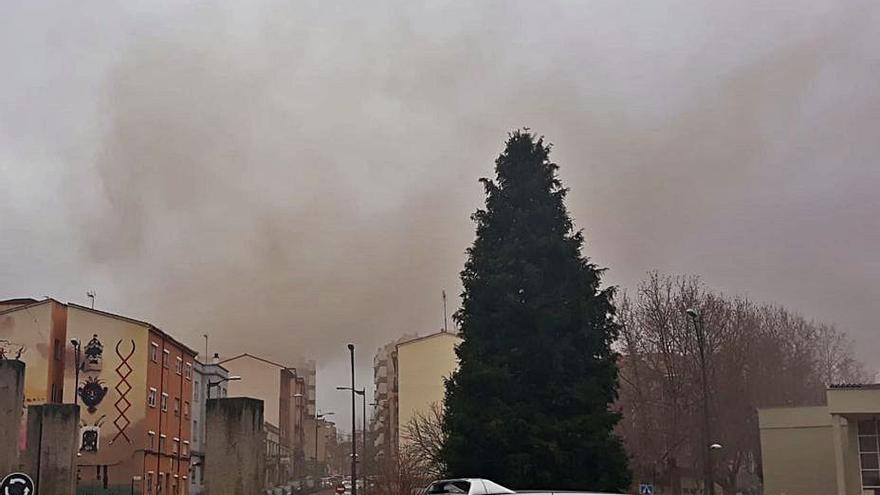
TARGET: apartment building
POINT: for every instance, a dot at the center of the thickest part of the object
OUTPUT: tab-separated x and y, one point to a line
409	376
284	395
385	395
423	364
205	376
36	332
132	381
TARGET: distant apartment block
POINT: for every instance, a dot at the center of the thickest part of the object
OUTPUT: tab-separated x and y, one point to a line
284	392
409	376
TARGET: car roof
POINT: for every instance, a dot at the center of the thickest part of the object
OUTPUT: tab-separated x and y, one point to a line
480	486
563	492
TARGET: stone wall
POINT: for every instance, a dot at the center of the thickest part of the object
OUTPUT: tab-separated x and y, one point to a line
50	458
235	447
11	409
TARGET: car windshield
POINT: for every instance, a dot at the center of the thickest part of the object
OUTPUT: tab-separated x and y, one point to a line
458	486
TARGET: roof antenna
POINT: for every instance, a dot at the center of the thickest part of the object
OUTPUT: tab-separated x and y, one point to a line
91	295
445	326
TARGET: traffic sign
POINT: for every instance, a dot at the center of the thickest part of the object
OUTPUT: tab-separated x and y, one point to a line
340	489
646	489
17	484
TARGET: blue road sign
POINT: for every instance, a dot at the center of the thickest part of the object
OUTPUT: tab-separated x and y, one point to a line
646	489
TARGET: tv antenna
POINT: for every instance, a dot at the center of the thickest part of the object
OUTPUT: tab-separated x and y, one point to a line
91	295
445	325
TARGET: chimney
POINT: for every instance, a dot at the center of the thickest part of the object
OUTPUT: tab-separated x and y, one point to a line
215	359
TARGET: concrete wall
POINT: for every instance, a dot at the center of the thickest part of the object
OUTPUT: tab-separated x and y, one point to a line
422	366
50	458
797	451
12	386
235	451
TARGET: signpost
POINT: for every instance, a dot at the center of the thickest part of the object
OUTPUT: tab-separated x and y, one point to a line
646	489
340	489
17	484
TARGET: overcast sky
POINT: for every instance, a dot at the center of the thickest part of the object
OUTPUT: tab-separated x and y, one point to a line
290	176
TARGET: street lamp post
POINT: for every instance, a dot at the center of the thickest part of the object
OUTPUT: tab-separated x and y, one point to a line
353	427
77	357
708	471
233	378
363	394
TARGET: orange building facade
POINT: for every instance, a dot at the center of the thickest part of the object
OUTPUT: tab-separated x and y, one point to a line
132	381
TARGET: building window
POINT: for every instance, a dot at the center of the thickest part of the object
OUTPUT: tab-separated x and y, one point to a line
175	447
189	371
177	407
154	352
55	397
186	409
166	358
178	366
160	483
164	402
869	454
59	350
162	444
185	448
195	432
151	398
151	440
149	481
197	391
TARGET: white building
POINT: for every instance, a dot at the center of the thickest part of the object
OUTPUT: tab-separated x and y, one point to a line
205	376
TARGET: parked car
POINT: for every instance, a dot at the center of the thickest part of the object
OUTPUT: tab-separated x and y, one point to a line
466	486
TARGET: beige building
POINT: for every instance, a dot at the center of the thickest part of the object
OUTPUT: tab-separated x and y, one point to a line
320	444
410	375
827	450
279	387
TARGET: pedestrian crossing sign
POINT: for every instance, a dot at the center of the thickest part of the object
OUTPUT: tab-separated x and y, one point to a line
646	489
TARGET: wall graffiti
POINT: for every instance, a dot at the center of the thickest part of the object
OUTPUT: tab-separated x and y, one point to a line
123	387
92	392
11	350
90	435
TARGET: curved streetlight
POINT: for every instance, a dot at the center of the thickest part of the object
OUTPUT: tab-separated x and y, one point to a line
233	378
317	417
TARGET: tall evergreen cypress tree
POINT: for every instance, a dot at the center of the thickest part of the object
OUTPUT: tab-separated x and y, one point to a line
529	404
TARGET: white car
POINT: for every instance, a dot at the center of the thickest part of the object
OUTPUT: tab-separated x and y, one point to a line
466	486
478	486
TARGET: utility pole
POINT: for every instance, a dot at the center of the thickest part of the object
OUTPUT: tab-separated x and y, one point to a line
354	490
708	471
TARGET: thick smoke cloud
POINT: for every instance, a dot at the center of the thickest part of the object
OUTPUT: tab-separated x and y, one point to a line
291	176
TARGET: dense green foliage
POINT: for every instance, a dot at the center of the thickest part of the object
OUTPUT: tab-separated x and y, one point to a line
529	406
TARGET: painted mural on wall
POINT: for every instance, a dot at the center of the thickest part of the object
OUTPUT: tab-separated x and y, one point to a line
111	389
93	389
11	350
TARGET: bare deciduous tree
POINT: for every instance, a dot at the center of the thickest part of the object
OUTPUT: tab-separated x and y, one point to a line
423	438
418	460
757	356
